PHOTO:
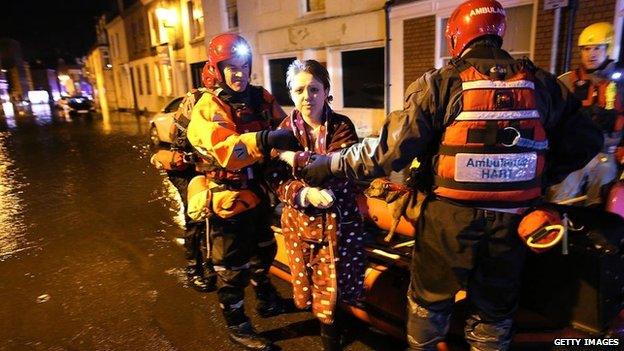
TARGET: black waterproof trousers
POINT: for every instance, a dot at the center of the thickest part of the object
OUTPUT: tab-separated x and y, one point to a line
242	249
458	248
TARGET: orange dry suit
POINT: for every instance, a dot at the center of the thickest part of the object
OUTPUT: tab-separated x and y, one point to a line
223	134
241	243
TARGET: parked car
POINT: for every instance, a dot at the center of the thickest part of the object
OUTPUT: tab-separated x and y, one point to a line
75	105
161	123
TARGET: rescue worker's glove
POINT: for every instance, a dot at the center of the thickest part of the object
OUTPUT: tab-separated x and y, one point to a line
318	170
281	139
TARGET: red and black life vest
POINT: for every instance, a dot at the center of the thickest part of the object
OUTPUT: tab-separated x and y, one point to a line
492	153
249	117
601	98
254	116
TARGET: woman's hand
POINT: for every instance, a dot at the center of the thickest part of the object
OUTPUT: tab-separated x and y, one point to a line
319	198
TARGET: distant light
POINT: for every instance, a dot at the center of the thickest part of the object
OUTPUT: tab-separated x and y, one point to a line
616	75
3	70
241	50
108	65
38	96
7	107
166	16
63	77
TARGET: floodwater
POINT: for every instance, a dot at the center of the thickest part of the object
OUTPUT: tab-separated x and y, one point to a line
87	253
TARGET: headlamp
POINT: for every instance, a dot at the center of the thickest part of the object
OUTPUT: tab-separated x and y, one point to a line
241	50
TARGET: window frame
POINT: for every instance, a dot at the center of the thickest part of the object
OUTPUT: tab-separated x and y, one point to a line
334	67
148	83
195	33
303	5
226	16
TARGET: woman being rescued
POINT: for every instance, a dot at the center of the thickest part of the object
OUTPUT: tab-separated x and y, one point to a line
322	227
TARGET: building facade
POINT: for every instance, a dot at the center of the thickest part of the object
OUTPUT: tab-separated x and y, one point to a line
418	43
346	36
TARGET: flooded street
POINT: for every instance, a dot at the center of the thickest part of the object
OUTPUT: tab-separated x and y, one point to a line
87	253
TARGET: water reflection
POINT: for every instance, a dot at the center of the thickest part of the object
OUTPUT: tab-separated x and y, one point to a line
175	202
42	114
12	226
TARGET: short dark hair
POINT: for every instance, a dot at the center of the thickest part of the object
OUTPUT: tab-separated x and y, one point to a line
315	68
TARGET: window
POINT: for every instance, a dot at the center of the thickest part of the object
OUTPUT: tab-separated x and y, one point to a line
517	35
167	78
106	62
363	78
111	40
231	11
135	37
159	89
196	73
139	80
196	19
277	74
314	5
117	52
148	83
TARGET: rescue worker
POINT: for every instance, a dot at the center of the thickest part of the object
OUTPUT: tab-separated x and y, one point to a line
497	131
597	83
179	164
231	130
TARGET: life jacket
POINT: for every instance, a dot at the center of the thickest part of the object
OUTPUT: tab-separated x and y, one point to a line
601	99
248	117
492	153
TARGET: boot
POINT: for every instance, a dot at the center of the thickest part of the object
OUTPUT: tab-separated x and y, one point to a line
330	337
270	303
200	280
210	275
245	336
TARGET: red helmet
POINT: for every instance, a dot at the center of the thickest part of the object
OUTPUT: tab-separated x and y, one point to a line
223	47
206	76
471	20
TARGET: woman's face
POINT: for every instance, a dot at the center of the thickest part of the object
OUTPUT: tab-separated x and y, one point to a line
308	95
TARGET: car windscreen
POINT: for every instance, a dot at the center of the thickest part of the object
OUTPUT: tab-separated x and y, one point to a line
173	105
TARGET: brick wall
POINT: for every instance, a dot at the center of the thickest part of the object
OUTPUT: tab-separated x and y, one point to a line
588	12
418	47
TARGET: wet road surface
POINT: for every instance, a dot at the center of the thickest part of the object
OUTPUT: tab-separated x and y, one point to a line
87	253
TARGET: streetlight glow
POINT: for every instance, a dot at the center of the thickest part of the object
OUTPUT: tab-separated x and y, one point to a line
166	16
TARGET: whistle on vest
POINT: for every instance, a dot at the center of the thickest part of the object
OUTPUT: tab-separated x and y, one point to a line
610	96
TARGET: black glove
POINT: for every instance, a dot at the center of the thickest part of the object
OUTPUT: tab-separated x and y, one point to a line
317	171
282	139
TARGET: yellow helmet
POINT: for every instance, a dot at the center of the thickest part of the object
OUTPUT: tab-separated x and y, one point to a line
600	33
